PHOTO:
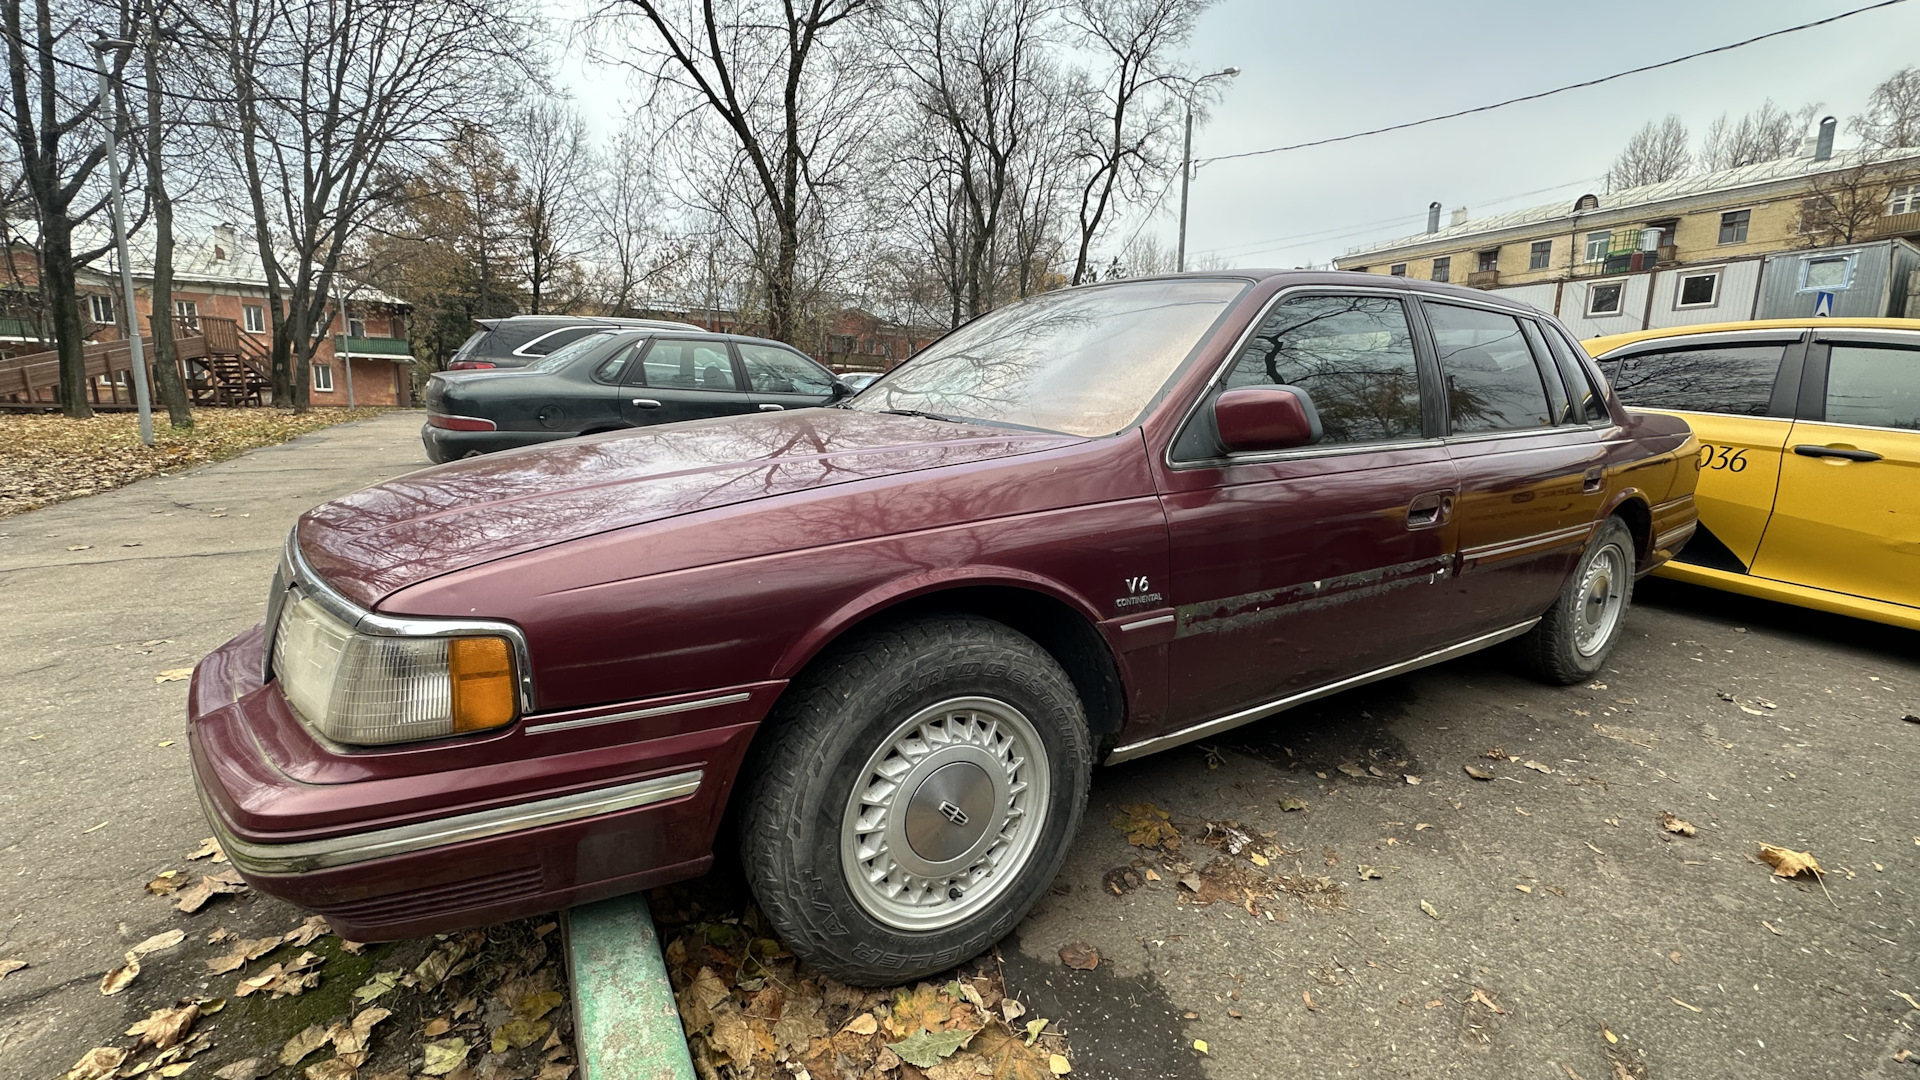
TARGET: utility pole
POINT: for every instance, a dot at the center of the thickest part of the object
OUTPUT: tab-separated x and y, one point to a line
1186	160
135	346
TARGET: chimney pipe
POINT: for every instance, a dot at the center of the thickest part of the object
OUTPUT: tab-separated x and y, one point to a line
1824	148
1433	217
1459	216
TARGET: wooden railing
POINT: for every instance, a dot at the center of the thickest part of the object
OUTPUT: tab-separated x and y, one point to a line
32	381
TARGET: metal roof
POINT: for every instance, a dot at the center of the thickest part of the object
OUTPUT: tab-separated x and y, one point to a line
1646	196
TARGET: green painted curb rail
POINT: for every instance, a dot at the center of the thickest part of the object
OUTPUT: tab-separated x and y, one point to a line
626	1025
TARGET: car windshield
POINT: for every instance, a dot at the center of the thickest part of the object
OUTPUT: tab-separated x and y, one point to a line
1080	361
567	354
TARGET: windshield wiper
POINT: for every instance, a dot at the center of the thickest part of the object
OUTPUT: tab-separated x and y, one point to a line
924	415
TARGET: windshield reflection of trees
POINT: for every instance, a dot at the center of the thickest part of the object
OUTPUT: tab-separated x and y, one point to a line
1082	362
1734	379
1353	355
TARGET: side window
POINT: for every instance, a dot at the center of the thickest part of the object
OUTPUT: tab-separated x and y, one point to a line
1492	381
1875	386
1589	402
541	346
609	369
1732	379
686	365
1353	355
777	371
1549	371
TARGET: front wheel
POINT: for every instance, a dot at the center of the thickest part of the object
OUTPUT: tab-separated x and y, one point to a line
1572	640
914	798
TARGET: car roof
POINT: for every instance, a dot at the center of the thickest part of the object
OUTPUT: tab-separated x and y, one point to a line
588	320
1349	279
1600	345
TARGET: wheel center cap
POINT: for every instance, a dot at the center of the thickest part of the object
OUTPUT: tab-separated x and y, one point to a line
949	812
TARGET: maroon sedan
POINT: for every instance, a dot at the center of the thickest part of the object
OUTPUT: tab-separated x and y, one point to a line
894	636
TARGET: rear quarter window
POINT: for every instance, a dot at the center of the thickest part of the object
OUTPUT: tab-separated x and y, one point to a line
1735	380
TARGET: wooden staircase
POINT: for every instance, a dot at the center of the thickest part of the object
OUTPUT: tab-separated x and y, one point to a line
218	364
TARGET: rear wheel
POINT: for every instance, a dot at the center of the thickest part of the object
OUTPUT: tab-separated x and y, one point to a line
914	798
1572	640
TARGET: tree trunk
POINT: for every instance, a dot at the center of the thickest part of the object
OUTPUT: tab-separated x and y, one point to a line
56	282
166	371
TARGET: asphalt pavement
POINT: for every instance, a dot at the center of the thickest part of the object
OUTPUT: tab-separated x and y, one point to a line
1542	923
99	598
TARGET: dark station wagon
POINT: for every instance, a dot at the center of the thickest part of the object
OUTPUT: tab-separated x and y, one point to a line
895	635
614	379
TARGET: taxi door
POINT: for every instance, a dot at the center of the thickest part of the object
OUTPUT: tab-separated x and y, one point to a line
1736	391
1847	514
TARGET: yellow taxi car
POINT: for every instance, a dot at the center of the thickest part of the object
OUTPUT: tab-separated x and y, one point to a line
1809	458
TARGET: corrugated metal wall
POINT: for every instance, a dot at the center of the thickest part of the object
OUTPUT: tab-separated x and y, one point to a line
1539	296
1573	307
1734	303
1865	297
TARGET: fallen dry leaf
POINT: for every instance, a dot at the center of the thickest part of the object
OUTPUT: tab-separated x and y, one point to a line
157	942
309	1040
97	1063
1788	863
209	849
382	982
165	1027
1675	825
252	1068
1485	998
1200	1045
1058	1065
440	1025
174	675
8	967
1479	773
120	978
168	881
241	953
1078	955
1147	826
352	1038
1429	909
865	1024
303	935
1290	805
1535	766
441	1058
195	897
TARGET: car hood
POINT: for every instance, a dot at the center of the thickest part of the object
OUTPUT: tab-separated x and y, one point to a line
384	538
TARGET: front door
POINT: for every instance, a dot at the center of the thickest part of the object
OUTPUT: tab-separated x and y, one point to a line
1846	517
1531	466
1292	570
783	379
682	379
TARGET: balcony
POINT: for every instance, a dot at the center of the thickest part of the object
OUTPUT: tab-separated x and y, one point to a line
372	346
1483	279
1898	225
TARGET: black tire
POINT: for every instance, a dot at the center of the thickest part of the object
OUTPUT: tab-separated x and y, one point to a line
822	741
1561	648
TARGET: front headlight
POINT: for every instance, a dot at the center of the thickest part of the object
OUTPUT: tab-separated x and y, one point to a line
372	689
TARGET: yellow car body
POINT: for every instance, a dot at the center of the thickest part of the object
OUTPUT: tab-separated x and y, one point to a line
1809	434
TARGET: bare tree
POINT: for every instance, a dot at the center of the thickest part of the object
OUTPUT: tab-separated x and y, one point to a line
1765	134
549	143
1892	119
166	372
1129	109
1657	152
1843	206
53	124
635	246
779	77
329	105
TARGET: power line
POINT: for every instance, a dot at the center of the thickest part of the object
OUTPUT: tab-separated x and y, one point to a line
1556	90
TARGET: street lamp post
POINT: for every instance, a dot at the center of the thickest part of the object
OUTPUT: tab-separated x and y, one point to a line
136	347
1186	159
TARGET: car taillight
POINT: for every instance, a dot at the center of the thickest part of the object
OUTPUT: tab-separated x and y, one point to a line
459	423
469	365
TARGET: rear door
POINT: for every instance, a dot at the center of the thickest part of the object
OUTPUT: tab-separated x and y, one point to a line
1847	514
683	378
782	378
1737	392
1531	466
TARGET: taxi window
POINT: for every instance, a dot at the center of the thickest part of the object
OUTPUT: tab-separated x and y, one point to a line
1736	380
1874	386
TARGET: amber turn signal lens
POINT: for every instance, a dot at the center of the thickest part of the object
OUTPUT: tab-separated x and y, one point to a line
481	670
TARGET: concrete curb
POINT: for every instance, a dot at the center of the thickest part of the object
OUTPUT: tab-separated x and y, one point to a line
626	1024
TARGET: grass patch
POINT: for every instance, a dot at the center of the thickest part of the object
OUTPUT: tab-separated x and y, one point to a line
49	459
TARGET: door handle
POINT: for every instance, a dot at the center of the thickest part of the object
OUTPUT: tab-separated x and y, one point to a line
768	406
1594	480
646	403
1808	450
1429	509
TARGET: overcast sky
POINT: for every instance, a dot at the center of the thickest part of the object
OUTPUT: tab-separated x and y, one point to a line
1315	69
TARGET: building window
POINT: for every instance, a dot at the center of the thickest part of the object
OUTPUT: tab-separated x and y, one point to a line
100	308
1606	298
1597	245
1906	200
255	318
1443	268
356	328
1398	269
1698	290
187	313
1540	255
1826	273
323	378
1733	226
1490	260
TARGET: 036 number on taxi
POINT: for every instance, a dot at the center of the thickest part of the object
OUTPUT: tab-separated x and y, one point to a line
1721	458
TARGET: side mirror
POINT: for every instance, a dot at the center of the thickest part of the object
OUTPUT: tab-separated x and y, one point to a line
1265	418
841	391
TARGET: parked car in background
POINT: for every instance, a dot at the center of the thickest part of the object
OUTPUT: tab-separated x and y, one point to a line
895	635
614	379
1809	455
519	340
